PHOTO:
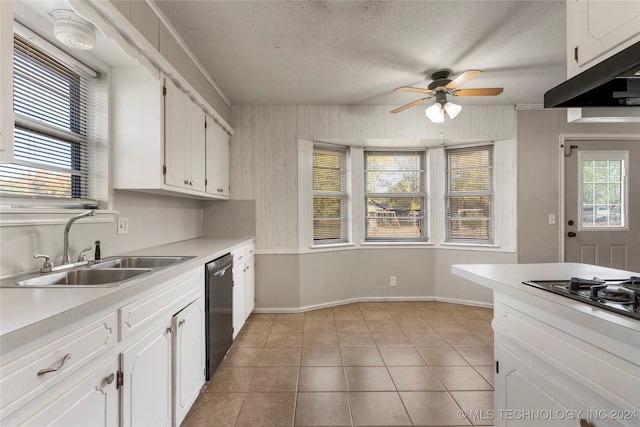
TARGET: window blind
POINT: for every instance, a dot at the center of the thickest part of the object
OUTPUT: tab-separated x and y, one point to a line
469	195
54	108
395	195
330	194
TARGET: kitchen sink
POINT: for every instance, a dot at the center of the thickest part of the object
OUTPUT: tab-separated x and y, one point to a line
83	277
139	262
110	272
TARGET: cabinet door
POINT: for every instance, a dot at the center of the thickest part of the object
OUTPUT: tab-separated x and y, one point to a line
525	393
146	389
217	160
90	400
239	301
189	358
176	104
250	285
604	28
196	147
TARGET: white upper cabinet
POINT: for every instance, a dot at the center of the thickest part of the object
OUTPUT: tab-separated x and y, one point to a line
159	138
598	29
184	140
217	149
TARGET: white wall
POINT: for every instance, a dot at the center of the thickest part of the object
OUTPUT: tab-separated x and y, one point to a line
153	220
264	168
539	177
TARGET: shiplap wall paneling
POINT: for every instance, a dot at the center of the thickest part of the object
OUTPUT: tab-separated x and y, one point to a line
241	153
318	122
275	162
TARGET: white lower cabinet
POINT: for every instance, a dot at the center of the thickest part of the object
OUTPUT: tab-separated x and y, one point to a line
142	364
554	371
243	285
87	398
146	379
189	358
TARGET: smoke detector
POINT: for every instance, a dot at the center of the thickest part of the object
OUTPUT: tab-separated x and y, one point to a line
73	31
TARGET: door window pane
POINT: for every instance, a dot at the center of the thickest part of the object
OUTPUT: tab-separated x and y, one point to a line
602	178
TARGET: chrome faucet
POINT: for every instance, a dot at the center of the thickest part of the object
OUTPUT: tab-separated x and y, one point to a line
66	259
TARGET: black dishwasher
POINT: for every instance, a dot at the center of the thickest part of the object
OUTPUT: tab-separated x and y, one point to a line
219	310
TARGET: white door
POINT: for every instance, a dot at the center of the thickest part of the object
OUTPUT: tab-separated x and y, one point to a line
217	160
602	204
189	358
196	147
146	389
176	104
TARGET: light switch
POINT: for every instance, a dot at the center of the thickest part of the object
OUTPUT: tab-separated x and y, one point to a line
552	219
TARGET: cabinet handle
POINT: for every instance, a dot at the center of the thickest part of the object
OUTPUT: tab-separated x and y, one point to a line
181	323
110	378
186	182
169	330
48	370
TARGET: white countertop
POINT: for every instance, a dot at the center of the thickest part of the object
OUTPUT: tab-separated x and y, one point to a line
28	314
507	279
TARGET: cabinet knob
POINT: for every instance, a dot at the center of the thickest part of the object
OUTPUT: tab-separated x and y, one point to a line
57	368
110	378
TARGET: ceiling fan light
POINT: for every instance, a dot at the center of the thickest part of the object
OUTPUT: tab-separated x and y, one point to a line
72	30
435	113
452	109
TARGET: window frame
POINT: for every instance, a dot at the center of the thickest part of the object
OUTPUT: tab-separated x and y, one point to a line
95	155
490	193
592	155
424	173
344	194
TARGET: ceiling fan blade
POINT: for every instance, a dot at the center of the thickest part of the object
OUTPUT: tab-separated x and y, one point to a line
489	91
413	89
463	78
404	107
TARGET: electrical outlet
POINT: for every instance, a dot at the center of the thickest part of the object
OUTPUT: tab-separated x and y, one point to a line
393	281
123	225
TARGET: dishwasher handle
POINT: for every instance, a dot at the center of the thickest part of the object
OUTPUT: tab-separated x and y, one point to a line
220	272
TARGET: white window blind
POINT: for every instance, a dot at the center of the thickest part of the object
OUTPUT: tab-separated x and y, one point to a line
395	196
54	107
469	195
330	194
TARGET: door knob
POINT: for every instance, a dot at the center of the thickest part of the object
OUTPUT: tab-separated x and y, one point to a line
570	222
571	234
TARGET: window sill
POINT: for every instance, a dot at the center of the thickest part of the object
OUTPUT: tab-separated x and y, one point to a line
16	217
333	246
382	244
470	245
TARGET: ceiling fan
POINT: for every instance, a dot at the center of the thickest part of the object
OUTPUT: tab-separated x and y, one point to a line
440	87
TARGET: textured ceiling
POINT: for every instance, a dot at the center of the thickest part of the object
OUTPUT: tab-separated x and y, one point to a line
358	52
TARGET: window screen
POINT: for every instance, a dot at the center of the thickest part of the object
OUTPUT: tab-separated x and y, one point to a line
395	195
469	195
54	128
330	195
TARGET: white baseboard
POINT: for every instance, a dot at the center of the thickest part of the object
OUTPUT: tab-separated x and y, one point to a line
367	299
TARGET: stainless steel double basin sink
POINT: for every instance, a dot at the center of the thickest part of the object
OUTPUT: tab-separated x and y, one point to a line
110	272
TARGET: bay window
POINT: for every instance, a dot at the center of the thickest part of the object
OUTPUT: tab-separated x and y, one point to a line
330	194
395	195
469	198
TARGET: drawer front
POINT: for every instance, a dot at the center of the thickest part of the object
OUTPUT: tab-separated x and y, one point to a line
135	316
26	377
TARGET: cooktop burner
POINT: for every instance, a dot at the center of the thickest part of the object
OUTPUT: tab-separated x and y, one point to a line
620	295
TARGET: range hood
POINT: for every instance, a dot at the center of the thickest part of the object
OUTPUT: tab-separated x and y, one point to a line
614	82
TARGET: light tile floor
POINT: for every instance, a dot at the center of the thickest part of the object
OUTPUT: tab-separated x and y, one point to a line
364	364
